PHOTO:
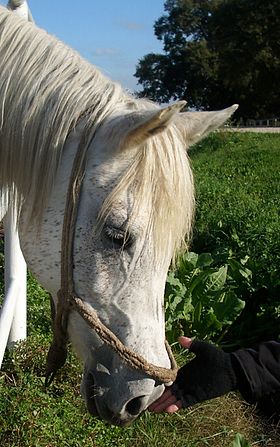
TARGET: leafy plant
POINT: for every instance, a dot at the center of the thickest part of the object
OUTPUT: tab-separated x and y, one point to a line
240	441
238	200
203	295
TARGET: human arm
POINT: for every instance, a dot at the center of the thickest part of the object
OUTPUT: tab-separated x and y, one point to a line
260	367
255	372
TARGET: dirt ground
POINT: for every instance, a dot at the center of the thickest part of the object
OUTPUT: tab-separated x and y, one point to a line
254	129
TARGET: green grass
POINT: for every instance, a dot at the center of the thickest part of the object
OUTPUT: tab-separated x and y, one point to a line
237	177
237	180
32	416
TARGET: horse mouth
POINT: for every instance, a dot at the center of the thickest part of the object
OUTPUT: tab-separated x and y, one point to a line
105	414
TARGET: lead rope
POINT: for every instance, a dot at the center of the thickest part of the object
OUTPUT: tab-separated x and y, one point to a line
67	300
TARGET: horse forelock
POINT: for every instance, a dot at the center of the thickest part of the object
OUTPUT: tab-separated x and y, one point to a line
161	181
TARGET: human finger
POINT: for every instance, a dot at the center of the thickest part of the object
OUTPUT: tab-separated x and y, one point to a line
165	401
174	407
169	406
185	342
166	395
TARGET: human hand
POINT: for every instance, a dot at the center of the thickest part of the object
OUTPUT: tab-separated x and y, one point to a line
210	374
168	402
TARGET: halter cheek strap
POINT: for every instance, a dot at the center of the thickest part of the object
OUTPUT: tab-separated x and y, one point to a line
67	300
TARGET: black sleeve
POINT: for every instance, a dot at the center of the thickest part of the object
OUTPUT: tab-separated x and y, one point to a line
258	370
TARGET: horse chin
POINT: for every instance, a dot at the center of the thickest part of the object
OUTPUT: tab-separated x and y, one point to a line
98	411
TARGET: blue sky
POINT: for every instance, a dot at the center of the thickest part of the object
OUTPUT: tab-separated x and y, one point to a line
112	34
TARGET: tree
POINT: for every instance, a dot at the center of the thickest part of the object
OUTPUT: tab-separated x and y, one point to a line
217	52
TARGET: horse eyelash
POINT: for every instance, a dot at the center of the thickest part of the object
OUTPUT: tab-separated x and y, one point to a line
122	236
114	233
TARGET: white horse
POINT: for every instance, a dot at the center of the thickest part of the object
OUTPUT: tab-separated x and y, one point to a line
134	209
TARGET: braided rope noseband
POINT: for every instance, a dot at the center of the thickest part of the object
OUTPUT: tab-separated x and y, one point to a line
68	300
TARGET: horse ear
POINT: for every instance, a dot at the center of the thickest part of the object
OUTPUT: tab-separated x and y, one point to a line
20	7
196	125
146	124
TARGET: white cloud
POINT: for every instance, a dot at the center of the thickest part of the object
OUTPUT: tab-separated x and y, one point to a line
101	52
132	26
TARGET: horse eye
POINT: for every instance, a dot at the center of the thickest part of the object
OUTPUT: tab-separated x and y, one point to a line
118	238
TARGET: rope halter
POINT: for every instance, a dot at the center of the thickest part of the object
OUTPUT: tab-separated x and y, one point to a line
68	300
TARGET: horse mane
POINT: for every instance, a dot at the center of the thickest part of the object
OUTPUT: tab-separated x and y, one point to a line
45	90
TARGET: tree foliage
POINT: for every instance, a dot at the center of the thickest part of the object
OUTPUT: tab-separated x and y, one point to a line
217	52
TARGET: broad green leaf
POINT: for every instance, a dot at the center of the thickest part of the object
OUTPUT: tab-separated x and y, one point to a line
246	273
216	280
188	307
234	264
197	313
197	280
174	302
208	323
176	284
229	308
239	268
191	258
204	260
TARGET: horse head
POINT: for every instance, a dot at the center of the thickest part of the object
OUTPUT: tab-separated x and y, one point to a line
135	210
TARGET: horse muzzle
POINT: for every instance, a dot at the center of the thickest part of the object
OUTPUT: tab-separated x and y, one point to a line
122	409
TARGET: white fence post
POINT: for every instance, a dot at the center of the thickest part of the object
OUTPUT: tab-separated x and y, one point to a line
13	312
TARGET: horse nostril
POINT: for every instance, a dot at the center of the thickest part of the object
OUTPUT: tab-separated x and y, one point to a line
135	406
